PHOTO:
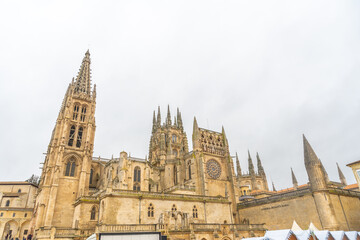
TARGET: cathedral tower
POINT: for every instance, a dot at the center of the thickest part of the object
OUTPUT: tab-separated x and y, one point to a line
168	146
66	170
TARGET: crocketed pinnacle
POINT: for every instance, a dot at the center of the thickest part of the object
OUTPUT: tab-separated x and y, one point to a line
154	123
83	81
168	117
294	180
259	165
341	175
179	119
158	120
238	167
251	165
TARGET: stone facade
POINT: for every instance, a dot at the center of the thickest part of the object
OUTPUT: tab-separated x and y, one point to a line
182	193
16	208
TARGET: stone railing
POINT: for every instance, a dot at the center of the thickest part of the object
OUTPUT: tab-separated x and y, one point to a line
232	227
169	195
274	198
180	187
344	192
63	233
197	227
128	228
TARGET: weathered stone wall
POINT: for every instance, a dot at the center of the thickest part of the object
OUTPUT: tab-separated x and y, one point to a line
281	214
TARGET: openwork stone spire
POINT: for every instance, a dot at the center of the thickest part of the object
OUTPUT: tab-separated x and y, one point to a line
83	81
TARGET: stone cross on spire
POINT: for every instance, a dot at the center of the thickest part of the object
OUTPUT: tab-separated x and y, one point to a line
83	81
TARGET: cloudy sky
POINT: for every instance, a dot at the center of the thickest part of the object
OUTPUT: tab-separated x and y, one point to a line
268	71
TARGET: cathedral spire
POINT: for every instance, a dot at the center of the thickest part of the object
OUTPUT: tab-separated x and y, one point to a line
341	175
294	180
238	167
251	166
158	120
195	135
83	81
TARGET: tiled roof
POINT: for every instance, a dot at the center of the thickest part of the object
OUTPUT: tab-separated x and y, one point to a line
351	186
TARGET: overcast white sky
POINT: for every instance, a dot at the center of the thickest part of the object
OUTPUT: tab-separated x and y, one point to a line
266	70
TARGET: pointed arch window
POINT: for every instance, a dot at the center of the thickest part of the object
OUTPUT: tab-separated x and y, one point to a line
91	176
175	152
7	203
195	212
79	137
173	208
70	168
137	174
151	210
76	112
93	213
71	136
174	138
137	179
83	114
189	169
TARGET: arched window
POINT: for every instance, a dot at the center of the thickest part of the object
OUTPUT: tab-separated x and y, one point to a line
151	210
175	175
71	136
79	137
195	212
174	138
137	174
137	179
7	203
19	191
189	168
175	153
70	168
173	208
93	213
91	176
76	112
83	114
